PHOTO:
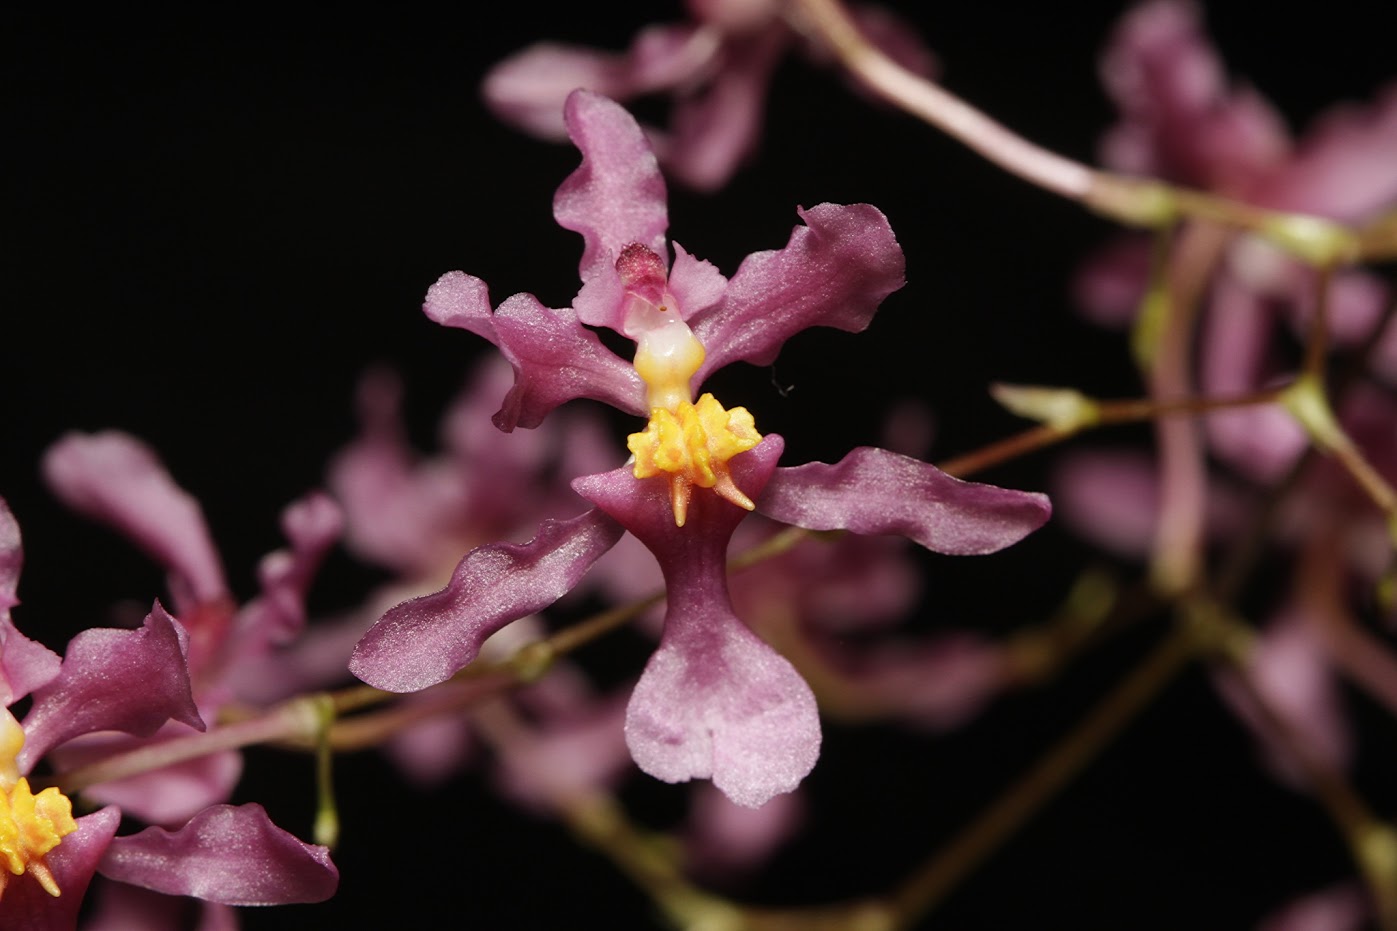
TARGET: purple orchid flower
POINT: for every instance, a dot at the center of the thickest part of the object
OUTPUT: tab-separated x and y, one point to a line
716	68
132	681
1182	121
114	478
714	701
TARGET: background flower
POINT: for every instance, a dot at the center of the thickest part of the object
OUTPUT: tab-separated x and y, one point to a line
219	223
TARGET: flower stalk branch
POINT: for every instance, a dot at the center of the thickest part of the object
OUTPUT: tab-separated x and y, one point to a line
1133	201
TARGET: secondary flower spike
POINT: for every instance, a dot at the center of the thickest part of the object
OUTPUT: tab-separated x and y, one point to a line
714	701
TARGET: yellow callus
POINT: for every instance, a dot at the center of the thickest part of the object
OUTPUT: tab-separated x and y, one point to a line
30	825
692	443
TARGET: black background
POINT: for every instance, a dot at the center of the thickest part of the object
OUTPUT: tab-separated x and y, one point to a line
218	220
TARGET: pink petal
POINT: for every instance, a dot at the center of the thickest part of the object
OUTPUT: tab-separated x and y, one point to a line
555	360
1110	497
461	301
25	664
712	132
573	757
424	641
1180	119
714	700
116	479
617	195
397	512
312	525
125	680
1342	907
11	557
229	854
432	751
1289	669
722	839
1345	167
876	491
1109	285
27	907
695	283
834	272
125	908
528	89
939	684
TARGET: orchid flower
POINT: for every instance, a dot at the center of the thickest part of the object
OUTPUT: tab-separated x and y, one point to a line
114	478
714	700
715	67
132	681
1181	120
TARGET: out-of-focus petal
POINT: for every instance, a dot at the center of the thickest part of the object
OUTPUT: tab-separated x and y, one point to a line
169	795
120	907
617	195
1345	167
28	907
712	132
24	664
228	854
424	641
1180	120
124	680
114	478
722	839
1289	669
432	751
937	685
571	758
834	272
1110	497
312	525
11	557
876	491
1110	283
1343	907
527	89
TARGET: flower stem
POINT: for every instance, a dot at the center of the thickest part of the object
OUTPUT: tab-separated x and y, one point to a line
298	719
828	21
931	883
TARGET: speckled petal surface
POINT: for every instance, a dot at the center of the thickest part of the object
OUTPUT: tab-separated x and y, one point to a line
424	641
834	272
229	854
714	700
876	491
124	680
617	195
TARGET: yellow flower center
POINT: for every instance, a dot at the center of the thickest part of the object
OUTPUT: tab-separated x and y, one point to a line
691	443
30	825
